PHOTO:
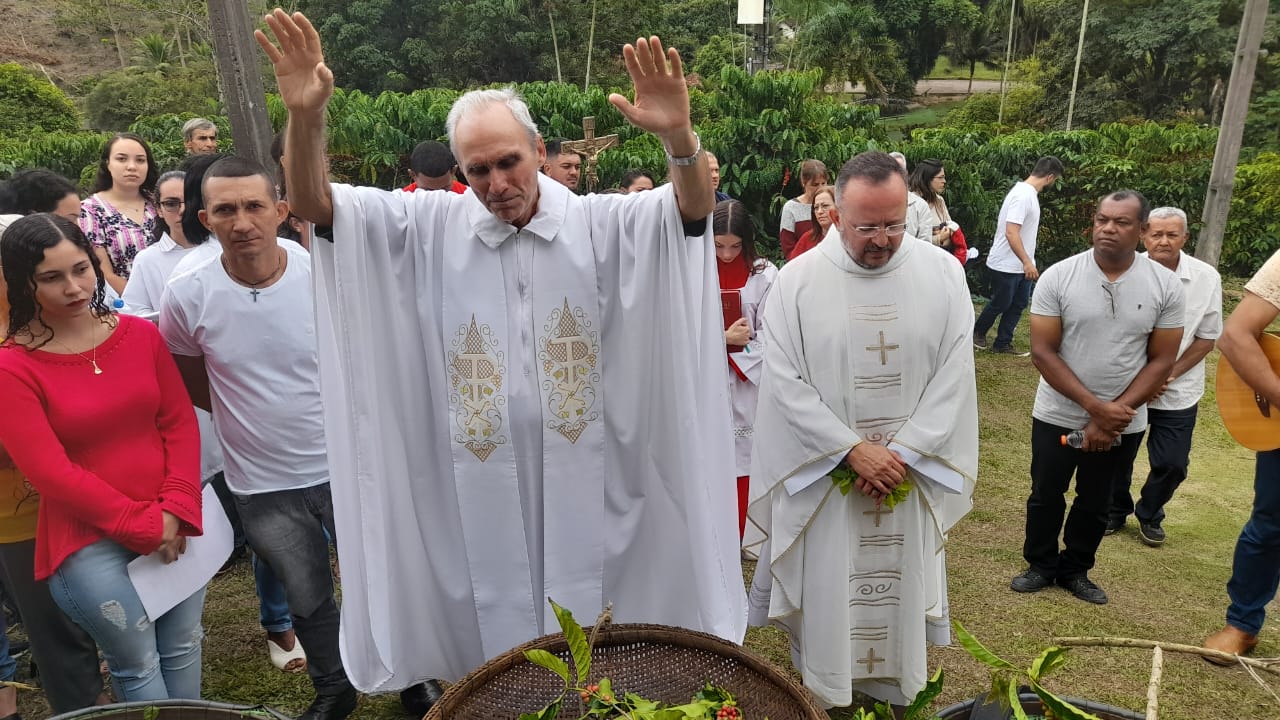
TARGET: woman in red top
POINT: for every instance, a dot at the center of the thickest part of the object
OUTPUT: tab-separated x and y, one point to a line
99	422
824	200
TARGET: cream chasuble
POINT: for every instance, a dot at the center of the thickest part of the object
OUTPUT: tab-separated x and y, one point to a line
514	415
857	355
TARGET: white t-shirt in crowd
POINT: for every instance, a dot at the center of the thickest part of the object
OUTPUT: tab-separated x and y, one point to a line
1021	207
1203	288
151	270
142	296
264	376
794	211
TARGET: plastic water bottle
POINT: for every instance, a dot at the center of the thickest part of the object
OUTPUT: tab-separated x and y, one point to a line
1075	439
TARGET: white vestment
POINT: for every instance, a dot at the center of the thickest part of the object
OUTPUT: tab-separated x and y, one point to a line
513	415
750	361
860	355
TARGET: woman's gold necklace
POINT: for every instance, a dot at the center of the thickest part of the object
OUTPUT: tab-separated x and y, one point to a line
93	360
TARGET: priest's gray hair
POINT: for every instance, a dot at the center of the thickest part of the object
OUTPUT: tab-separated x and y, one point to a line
478	99
1168	213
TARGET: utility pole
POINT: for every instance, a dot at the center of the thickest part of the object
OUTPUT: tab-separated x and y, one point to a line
1075	76
1008	58
1217	202
756	12
235	53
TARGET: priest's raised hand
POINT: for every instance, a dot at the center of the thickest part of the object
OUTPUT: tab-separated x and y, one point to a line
305	82
661	107
661	95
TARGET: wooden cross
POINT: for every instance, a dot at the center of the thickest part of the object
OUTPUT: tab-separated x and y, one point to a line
880	510
883	349
870	661
590	147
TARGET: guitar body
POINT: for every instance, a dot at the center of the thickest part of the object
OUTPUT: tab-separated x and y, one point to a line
1248	418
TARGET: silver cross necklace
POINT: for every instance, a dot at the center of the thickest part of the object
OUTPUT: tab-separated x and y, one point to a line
253	286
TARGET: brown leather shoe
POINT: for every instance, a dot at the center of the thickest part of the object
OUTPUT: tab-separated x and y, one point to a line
1230	639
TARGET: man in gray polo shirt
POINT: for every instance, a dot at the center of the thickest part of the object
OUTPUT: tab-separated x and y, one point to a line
1105	329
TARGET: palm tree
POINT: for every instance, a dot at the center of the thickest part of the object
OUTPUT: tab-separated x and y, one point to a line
153	51
980	43
850	42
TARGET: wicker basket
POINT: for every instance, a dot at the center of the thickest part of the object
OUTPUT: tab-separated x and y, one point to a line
657	662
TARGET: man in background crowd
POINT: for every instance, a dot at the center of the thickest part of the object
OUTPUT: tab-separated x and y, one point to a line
200	136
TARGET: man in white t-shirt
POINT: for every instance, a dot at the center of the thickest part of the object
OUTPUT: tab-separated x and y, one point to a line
1012	260
242	329
1171	414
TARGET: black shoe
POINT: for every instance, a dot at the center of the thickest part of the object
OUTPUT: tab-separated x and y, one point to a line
1114	525
418	699
1029	581
331	707
980	341
1151	533
1008	350
1083	588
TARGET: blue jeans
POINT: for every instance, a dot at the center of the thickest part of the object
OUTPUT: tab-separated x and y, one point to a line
273	607
149	659
1255	572
8	666
287	530
273	611
1009	295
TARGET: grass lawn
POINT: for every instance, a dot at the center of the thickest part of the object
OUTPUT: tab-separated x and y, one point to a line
945	70
928	115
1174	593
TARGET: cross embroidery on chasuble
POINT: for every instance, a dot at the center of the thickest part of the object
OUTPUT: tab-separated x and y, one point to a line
476	369
570	352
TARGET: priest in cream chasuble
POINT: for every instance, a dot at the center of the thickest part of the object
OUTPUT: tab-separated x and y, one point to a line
867	343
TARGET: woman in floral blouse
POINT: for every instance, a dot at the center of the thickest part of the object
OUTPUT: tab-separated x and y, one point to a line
120	217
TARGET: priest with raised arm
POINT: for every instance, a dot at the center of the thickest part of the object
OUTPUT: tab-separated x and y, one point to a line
869	381
524	388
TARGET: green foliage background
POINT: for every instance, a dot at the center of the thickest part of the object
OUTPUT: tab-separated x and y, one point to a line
761	126
30	103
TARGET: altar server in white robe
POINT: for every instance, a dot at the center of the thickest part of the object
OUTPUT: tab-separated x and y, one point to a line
745	279
524	389
867	365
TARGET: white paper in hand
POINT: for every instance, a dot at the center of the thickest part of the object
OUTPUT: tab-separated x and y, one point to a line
161	587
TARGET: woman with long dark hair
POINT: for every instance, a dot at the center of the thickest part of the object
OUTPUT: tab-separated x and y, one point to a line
928	181
120	217
100	423
66	655
745	280
152	266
